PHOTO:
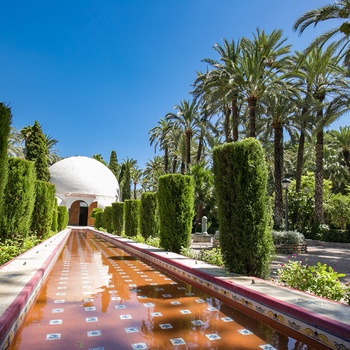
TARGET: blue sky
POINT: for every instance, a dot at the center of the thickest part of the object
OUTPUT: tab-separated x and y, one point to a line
99	74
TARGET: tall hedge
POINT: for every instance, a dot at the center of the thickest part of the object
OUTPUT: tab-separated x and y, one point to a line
175	200
98	216
43	208
19	197
132	217
107	219
5	128
54	221
118	217
149	216
245	216
62	218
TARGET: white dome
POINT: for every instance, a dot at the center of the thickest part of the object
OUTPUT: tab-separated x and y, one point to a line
83	176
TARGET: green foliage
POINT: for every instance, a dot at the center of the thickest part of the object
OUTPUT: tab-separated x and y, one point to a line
338	211
301	205
244	212
54	222
118	217
132	217
153	241
108	219
16	246
5	129
211	256
19	197
125	182
149	217
62	218
319	279
175	200
36	150
288	237
113	164
43	208
98	215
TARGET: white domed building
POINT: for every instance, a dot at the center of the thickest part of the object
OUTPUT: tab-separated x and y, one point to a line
83	184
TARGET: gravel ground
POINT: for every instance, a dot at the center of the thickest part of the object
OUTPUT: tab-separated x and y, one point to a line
336	255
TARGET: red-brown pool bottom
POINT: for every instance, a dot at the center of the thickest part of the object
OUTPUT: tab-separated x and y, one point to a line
98	297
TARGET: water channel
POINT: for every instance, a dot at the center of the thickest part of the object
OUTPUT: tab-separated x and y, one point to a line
98	297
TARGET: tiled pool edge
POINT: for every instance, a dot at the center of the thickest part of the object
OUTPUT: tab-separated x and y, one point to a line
14	314
310	325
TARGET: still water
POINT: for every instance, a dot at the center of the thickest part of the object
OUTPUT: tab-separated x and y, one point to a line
98	297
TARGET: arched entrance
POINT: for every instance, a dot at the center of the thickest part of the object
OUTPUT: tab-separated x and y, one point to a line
78	213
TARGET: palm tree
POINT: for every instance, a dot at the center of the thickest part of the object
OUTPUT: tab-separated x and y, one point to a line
53	153
153	169
136	176
187	119
279	109
16	144
339	11
219	87
328	83
159	136
263	60
340	140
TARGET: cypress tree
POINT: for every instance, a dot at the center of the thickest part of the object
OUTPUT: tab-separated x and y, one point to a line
118	217
244	210
108	219
62	218
175	203
43	208
36	150
19	197
113	164
149	217
5	128
132	217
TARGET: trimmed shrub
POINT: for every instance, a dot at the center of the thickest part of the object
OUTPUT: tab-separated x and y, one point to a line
338	211
62	218
149	218
244	211
5	128
99	219
54	222
288	237
107	219
132	217
118	217
19	197
175	203
43	208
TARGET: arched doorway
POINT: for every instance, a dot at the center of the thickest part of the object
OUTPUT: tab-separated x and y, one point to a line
78	213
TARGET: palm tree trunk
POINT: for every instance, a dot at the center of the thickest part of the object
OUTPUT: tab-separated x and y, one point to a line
200	149
166	159
235	116
252	101
227	129
319	215
278	155
188	149
300	158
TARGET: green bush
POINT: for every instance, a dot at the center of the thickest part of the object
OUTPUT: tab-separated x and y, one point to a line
108	219
244	210
210	256
334	235
5	128
43	208
98	215
54	222
149	217
153	241
19	197
319	279
62	218
288	237
132	217
16	246
176	202
338	211
118	217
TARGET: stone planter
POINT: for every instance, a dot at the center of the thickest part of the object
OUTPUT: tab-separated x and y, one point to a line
290	248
